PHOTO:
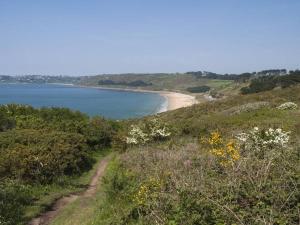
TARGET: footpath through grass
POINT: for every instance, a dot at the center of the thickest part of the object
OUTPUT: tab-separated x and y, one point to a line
82	210
46	195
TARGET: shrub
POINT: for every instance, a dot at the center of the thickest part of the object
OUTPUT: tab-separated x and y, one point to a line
6	122
152	130
158	130
37	156
260	84
263	142
13	199
225	151
137	136
246	108
97	131
199	89
266	83
288	106
185	187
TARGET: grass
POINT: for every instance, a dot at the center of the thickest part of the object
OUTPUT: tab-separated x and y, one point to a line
170	82
82	210
46	195
219	84
78	212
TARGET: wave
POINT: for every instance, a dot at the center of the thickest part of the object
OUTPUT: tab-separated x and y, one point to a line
163	106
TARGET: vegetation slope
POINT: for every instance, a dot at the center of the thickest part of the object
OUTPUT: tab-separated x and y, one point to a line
231	161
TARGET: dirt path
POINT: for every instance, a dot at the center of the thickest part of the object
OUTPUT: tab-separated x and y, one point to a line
47	217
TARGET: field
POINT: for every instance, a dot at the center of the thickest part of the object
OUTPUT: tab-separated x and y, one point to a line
157	82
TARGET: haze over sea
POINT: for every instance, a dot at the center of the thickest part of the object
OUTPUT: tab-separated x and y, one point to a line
108	103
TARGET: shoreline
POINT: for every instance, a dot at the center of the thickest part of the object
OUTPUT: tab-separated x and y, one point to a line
176	100
173	100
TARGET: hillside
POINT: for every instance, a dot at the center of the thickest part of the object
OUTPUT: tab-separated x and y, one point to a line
203	173
157	82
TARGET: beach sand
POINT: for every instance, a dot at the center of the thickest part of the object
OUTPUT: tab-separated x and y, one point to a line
177	100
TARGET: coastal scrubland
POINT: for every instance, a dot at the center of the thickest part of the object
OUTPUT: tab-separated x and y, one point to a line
46	153
234	160
230	161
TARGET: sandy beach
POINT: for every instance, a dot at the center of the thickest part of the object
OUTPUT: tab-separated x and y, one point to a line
174	100
177	100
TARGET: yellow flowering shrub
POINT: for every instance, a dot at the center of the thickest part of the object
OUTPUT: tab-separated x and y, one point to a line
226	152
148	190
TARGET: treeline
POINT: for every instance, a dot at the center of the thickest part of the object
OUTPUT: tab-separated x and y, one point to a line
41	147
238	77
38	79
266	83
209	75
136	83
199	89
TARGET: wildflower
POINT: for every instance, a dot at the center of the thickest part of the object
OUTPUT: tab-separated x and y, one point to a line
226	152
147	190
153	130
288	106
136	136
260	140
158	130
215	138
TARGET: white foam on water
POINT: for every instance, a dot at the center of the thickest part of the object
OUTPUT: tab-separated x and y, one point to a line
163	106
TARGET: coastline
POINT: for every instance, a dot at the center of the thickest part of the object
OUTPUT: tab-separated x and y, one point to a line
176	100
173	100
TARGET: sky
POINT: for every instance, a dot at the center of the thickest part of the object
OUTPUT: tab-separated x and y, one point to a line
87	37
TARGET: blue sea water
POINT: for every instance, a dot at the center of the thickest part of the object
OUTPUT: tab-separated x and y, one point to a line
108	103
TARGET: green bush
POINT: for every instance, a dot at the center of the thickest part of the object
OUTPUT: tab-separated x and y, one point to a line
199	89
6	122
260	84
44	148
266	83
97	131
41	156
13	199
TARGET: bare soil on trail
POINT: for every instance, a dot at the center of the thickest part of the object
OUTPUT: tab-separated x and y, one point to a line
48	216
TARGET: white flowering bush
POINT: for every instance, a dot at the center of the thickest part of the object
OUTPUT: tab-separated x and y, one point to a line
288	106
260	140
153	130
137	136
158	130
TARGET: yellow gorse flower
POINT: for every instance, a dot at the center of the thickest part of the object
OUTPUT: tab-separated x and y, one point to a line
147	190
226	152
215	138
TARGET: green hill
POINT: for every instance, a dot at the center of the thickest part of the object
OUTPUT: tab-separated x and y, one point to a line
203	173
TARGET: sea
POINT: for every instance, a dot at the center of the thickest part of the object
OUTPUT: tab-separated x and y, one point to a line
113	104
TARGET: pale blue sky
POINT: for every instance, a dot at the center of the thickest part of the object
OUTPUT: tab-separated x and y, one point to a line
80	37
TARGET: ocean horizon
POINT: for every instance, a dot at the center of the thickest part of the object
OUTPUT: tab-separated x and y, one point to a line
113	104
